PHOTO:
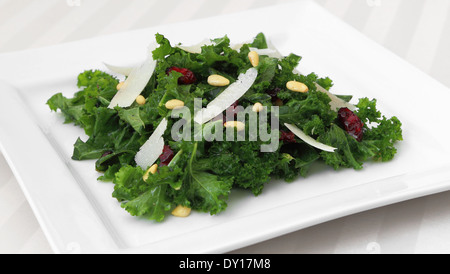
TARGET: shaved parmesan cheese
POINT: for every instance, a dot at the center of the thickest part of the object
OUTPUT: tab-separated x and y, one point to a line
152	148
238	46
230	95
269	52
336	102
308	139
136	81
197	48
277	53
120	70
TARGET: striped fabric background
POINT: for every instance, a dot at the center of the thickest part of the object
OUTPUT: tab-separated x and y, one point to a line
416	30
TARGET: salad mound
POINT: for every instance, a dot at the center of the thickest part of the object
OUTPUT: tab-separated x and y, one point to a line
176	128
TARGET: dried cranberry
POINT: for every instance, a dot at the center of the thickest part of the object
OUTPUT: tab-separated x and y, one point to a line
273	93
278	102
351	123
232	110
187	78
219	117
235	104
288	137
106	154
166	156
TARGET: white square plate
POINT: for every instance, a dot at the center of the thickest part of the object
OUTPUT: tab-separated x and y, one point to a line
78	214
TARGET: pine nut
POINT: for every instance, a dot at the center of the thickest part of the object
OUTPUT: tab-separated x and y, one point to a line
120	85
181	211
174	103
297	86
236	124
140	100
218	80
257	107
151	170
254	58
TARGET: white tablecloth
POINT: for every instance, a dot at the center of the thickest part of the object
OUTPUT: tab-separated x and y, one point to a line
416	30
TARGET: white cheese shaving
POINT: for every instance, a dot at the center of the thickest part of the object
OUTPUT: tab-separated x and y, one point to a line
225	99
268	52
197	48
119	69
271	51
336	102
135	82
308	139
238	46
152	148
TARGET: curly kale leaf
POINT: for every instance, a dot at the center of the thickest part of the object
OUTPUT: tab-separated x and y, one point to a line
242	161
98	89
312	113
378	144
109	134
259	41
295	159
205	191
381	133
149	198
348	153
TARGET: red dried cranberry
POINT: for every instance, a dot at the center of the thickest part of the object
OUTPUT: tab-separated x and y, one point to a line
232	110
288	137
351	123
166	156
273	93
106	154
187	78
219	117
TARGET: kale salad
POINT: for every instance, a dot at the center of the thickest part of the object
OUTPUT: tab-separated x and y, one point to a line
189	125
